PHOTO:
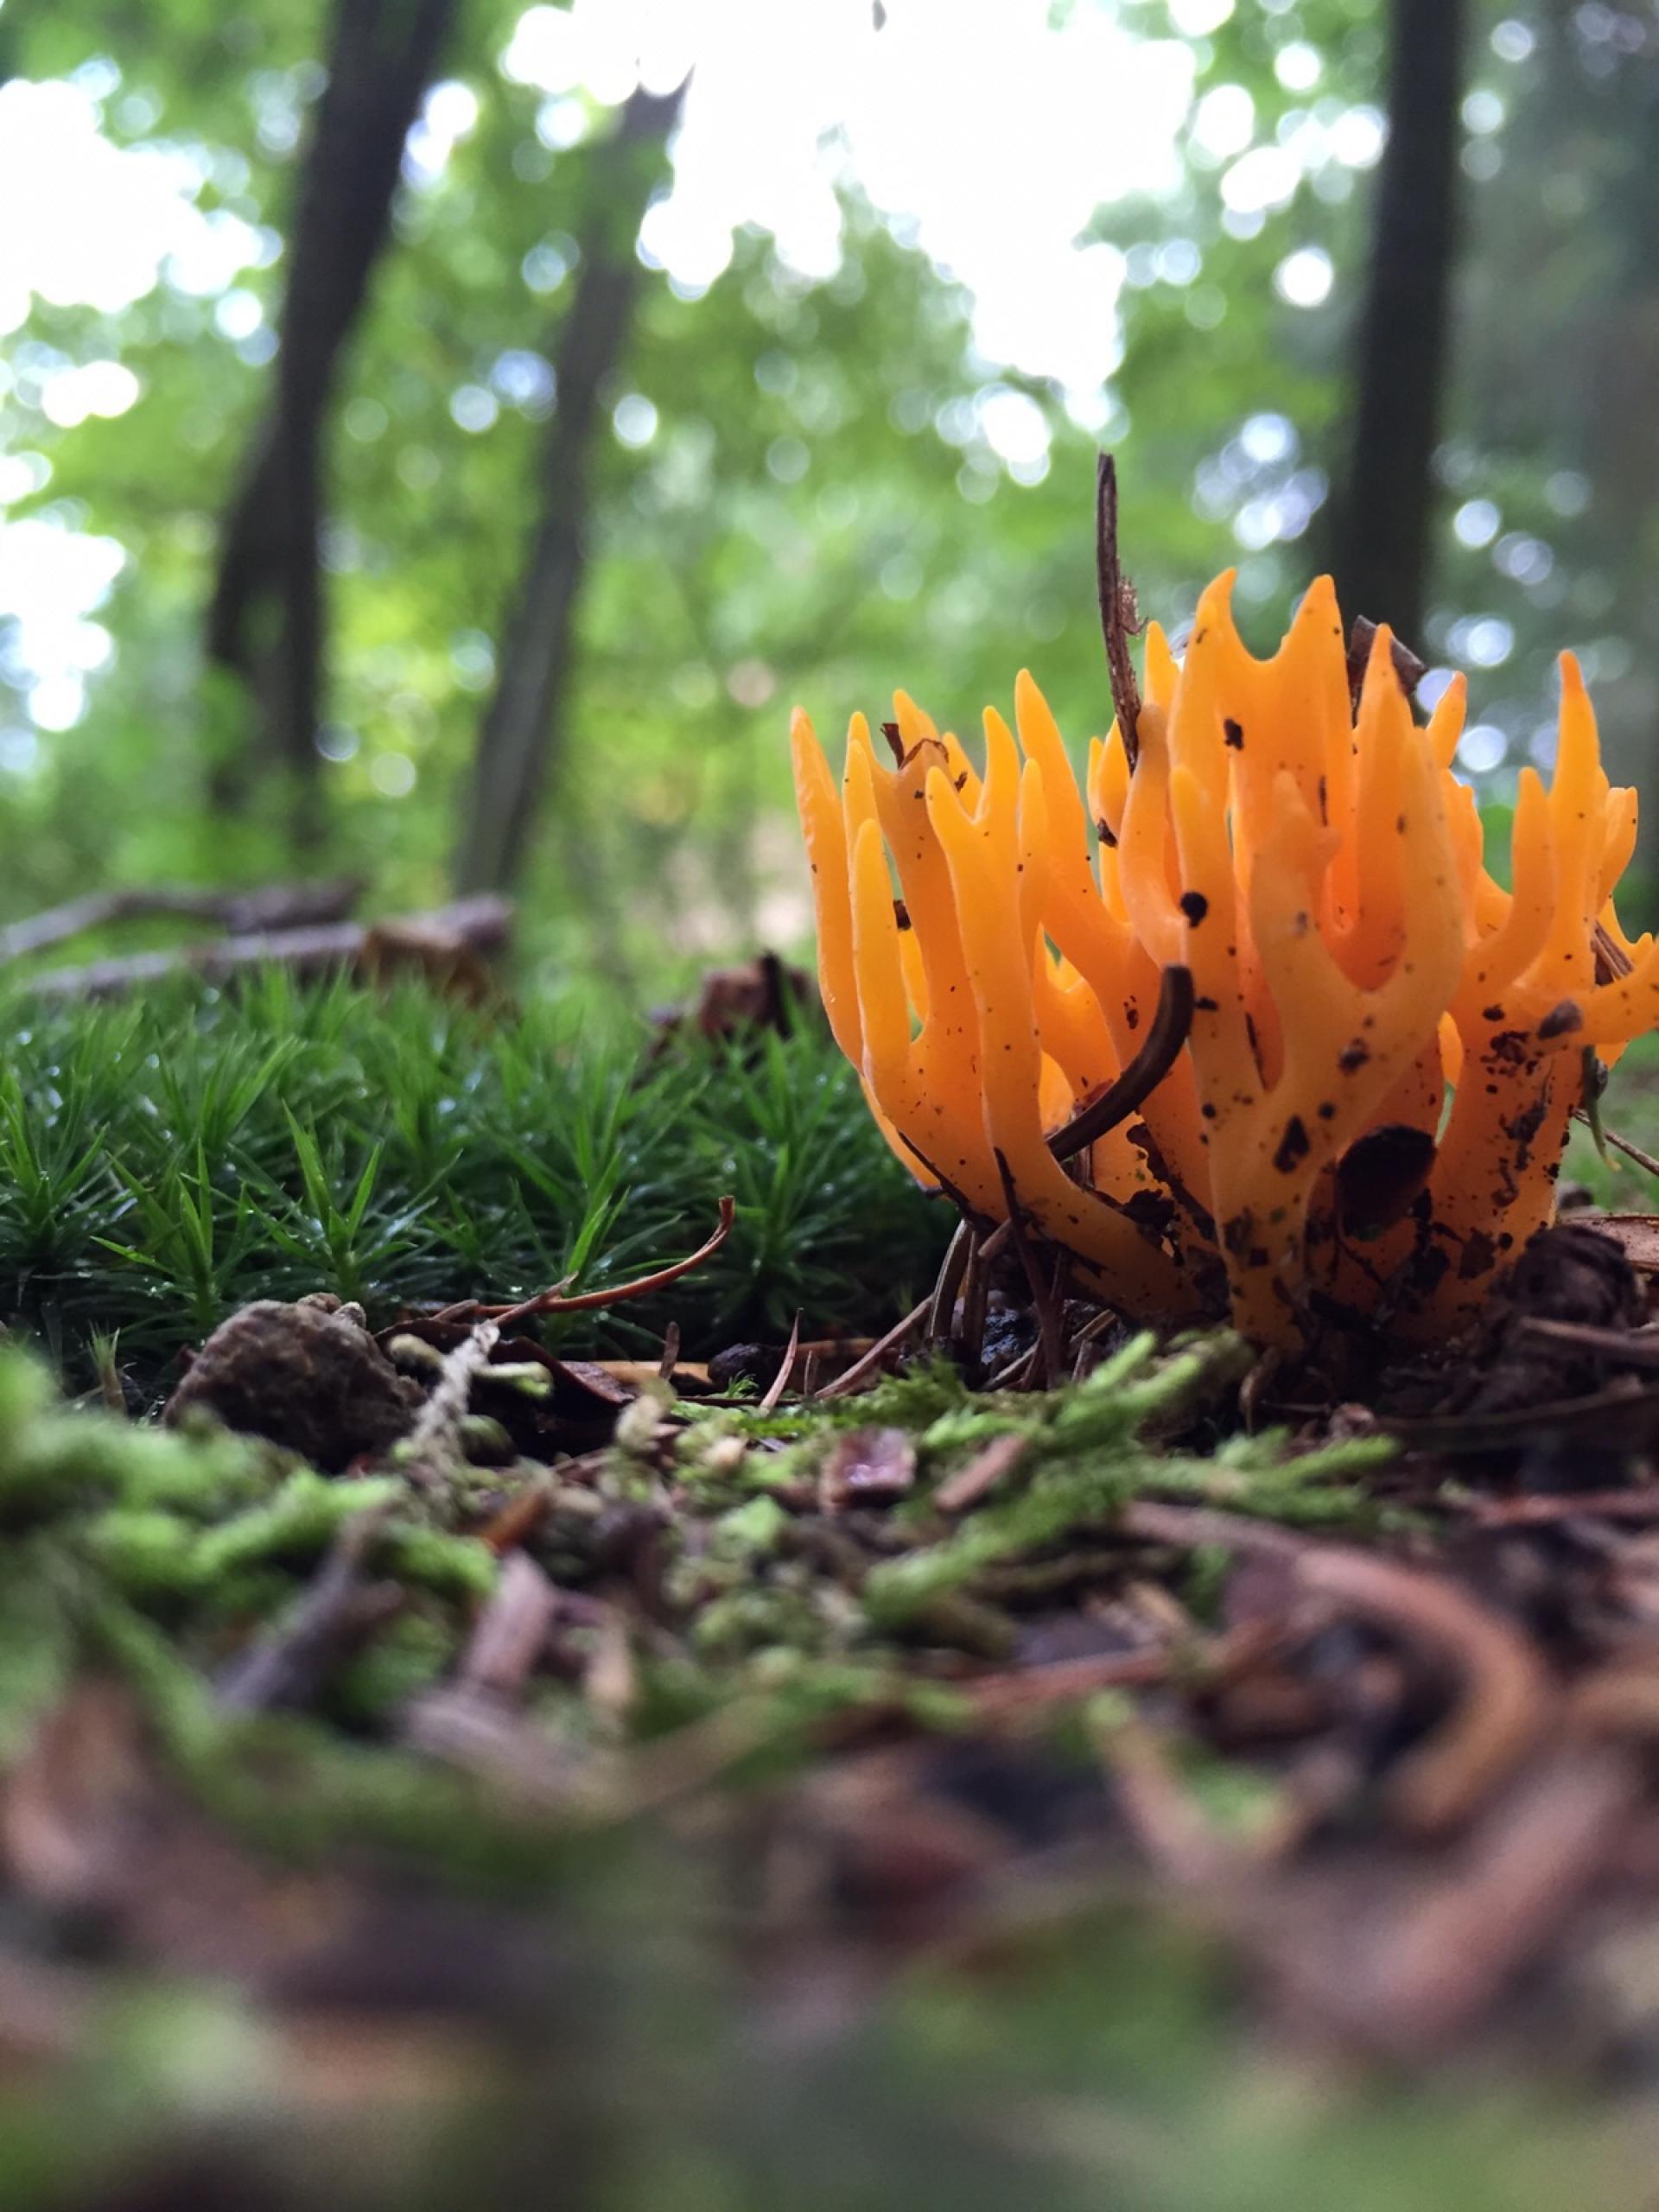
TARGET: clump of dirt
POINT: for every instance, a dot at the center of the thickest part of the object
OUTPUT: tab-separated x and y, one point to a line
309	1376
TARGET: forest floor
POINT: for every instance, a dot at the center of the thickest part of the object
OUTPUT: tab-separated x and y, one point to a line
717	1766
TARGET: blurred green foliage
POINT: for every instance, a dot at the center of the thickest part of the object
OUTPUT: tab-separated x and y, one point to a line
818	514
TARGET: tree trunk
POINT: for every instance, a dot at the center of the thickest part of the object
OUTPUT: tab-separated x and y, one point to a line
267	622
1380	528
521	736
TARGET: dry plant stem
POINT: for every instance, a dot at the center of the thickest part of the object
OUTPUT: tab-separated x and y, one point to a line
1173	1834
275	906
338	1611
1620	1144
1461	1942
669	1359
1629	1347
1020	1372
779	1381
519	1518
1050	1337
1610	1415
1576	1506
1085	1338
976	1292
861	1369
1613	962
554	1302
1171	1025
982	1474
511	1631
1020	1690
1117	616
1508	1701
941	1312
1408	666
1620	1698
465	935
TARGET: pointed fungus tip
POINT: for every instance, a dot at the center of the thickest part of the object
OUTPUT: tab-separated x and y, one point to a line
1339	848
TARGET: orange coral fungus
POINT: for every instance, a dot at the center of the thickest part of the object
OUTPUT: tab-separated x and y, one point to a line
1311	875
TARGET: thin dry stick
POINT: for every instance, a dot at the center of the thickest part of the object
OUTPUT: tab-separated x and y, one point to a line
508	1636
863	1369
1048	1317
983	1473
779	1381
1020	1372
1407	667
941	1311
338	1611
1632	1347
1619	1144
460	938
1536	1512
554	1302
976	1293
1508	1701
1613	962
1118	614
1171	1025
520	1518
275	906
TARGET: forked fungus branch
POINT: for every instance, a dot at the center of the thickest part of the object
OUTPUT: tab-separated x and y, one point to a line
1317	869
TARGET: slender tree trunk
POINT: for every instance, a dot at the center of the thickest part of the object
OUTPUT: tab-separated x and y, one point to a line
1380	528
521	737
267	622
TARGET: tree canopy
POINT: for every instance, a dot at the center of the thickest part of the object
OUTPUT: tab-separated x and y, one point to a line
790	477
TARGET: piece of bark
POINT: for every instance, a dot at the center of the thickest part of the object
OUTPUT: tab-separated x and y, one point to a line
242	913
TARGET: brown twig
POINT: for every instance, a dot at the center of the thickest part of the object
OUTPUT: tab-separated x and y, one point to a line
1044	1302
983	1473
850	1377
1613	962
337	1611
1006	1695
1409	669
509	1635
1629	1347
1621	1413
519	1518
1119	616
457	939
1465	1936
1507	1700
273	907
1541	1512
1619	1144
779	1383
941	1313
1167	1822
588	1301
1171	1025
